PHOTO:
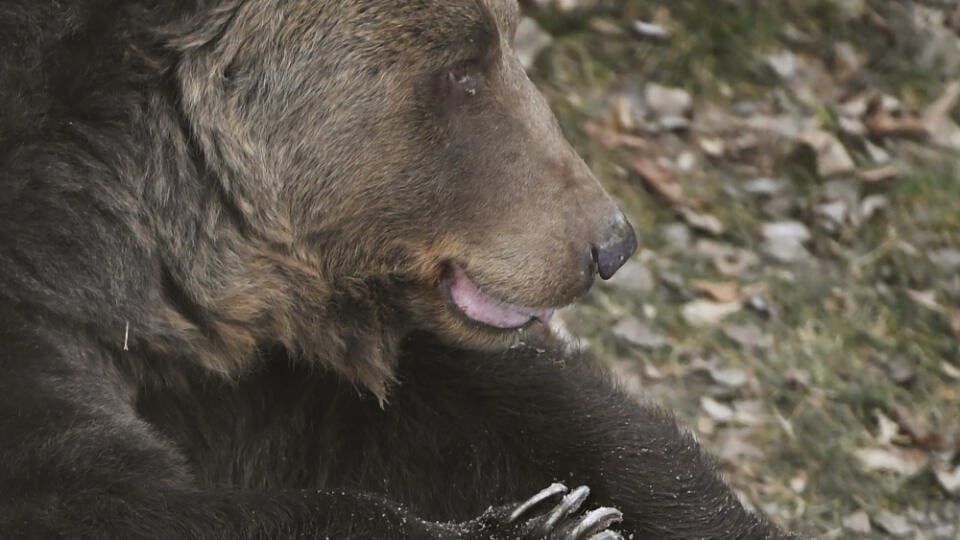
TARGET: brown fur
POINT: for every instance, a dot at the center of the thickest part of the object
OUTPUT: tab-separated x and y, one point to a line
230	231
327	154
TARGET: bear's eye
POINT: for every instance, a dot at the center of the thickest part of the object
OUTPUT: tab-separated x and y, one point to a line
465	79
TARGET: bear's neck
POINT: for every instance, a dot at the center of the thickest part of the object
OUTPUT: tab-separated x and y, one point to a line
226	292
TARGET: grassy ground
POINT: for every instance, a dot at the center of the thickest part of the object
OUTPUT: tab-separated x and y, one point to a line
857	336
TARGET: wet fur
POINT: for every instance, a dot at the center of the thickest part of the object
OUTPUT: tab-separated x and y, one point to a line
201	338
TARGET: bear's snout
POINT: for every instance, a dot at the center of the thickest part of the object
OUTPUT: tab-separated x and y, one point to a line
618	244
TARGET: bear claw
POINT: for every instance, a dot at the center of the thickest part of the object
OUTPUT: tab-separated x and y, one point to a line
607	535
547	524
594	524
543	495
570	504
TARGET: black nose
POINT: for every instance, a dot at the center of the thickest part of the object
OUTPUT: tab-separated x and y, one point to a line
616	248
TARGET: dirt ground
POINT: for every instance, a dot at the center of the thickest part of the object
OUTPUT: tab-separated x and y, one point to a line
793	170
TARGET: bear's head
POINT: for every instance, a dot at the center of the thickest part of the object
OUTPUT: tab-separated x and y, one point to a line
400	160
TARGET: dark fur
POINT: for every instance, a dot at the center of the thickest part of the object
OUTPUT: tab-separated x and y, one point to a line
223	226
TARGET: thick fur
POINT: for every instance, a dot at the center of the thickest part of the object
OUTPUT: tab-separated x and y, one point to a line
225	229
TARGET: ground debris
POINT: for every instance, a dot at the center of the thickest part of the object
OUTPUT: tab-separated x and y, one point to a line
798	208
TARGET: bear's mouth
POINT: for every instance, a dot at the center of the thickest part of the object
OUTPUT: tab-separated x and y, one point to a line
486	310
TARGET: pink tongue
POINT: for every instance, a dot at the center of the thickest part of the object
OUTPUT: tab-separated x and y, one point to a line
487	310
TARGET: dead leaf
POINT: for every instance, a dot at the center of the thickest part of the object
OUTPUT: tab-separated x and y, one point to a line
766	186
649	30
707	223
718	411
713	147
949	480
872	204
798	377
894	524
735	448
857	522
799	483
731	377
877	175
660	181
639	333
832	157
611	138
947	260
748	336
937	119
633	277
723	291
887	429
888	125
623	116
784	240
950	371
921	436
668	102
707	313
893	460
927	299
901	372
727	259
955	322
886	118
751	412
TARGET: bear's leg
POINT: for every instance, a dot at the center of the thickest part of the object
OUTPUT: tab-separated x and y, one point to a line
462	431
555	416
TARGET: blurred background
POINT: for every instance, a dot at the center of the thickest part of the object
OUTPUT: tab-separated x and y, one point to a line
793	170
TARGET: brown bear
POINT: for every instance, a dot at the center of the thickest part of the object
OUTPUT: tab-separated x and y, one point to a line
283	268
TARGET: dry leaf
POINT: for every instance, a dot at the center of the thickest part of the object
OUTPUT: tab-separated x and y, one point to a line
857	522
886	118
799	483
718	411
722	291
912	426
887	429
798	377
713	147
950	480
668	102
894	524
894	460
955	322
882	124
833	159
938	121
750	412
727	259
610	138
707	223
706	313
748	336
784	240
927	299
639	333
731	377
735	448
660	181
880	174
949	370
901	372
